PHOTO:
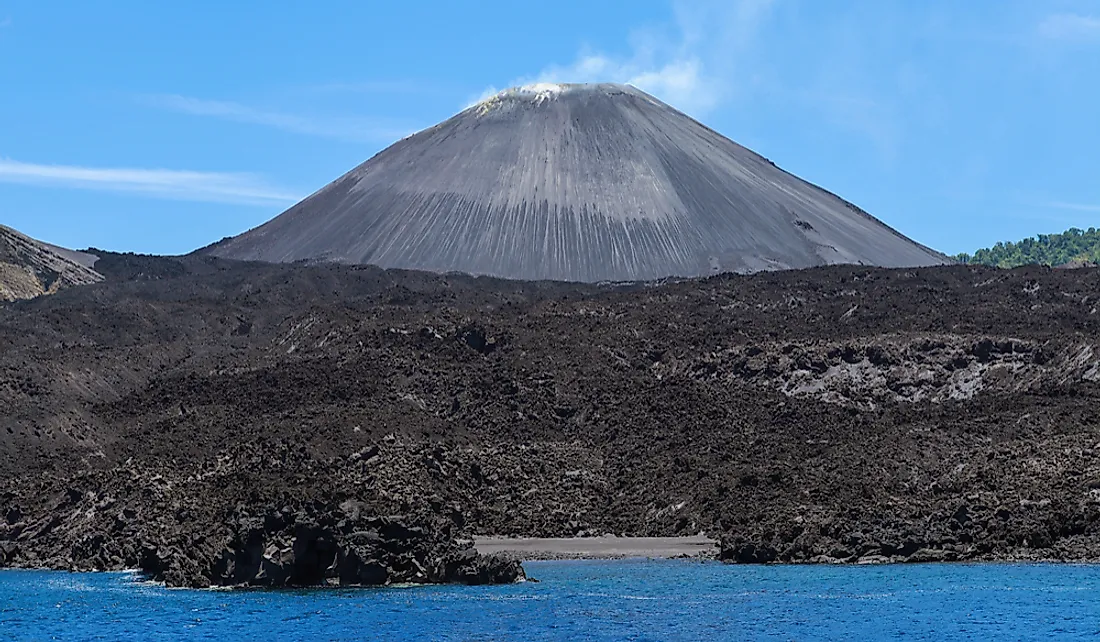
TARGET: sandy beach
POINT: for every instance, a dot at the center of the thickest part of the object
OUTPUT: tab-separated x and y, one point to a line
534	548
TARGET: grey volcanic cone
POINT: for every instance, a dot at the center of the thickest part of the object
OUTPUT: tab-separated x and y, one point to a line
575	183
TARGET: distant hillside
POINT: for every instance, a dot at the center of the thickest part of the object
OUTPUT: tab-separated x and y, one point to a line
29	268
1074	246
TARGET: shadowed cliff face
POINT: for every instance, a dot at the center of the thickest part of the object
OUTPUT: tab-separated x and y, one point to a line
575	183
29	268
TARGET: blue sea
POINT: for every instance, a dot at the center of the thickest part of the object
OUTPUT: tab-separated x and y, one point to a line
619	600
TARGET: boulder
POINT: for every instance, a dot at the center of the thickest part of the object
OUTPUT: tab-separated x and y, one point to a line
739	550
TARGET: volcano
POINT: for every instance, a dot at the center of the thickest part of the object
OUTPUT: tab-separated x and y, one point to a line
598	182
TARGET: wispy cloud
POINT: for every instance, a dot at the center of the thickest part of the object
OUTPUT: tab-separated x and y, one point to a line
5	22
357	130
694	67
1070	27
1076	207
210	187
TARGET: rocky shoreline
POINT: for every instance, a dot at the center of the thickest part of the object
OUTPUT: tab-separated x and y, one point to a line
302	549
195	545
832	415
905	547
235	525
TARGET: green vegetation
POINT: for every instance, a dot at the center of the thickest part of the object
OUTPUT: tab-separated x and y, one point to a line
1045	249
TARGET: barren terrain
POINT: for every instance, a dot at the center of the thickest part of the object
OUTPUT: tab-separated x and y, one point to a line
831	414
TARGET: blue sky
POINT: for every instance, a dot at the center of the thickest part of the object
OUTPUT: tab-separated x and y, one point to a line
161	127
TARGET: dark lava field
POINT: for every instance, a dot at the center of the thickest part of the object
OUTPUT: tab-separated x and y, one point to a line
831	414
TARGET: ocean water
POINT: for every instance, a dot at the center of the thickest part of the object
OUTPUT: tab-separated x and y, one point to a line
623	600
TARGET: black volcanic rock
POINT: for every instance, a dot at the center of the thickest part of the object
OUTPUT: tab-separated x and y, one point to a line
128	517
303	548
837	413
575	183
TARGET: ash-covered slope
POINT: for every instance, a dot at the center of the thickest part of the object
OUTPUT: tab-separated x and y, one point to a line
29	268
576	183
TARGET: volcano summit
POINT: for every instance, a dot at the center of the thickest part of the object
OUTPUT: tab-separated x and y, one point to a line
575	183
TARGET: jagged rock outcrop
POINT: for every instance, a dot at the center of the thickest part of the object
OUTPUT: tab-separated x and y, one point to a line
199	542
305	548
957	530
